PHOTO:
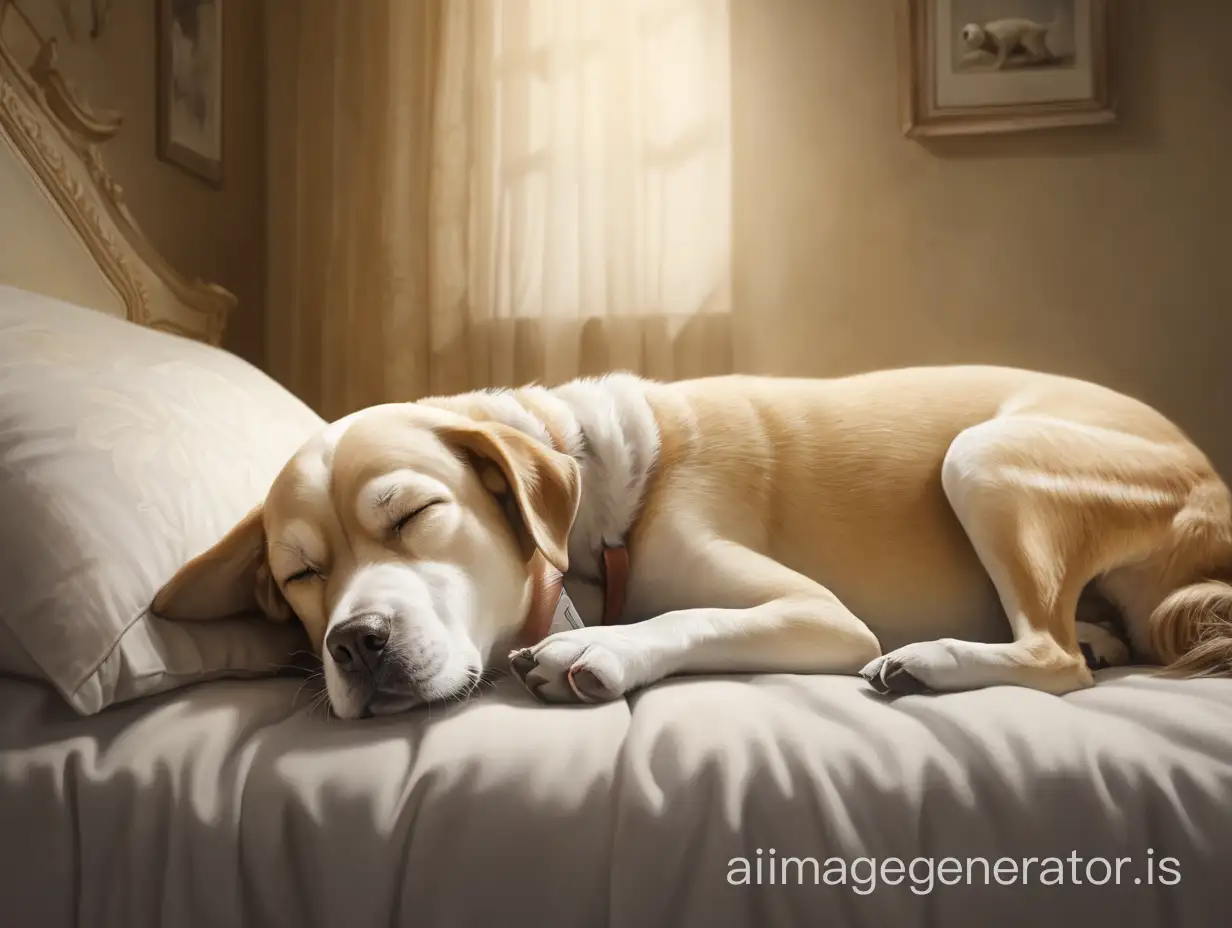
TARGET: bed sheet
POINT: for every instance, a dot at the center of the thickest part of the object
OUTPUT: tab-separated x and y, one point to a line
238	803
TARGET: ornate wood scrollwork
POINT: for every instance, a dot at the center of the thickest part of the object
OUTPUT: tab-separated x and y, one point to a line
59	135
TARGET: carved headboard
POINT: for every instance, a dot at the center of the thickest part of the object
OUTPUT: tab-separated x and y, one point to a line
64	229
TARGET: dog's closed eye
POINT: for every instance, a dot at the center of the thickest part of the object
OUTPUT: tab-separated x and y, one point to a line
406	520
305	574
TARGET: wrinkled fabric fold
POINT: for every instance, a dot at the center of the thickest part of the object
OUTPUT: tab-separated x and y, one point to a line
236	803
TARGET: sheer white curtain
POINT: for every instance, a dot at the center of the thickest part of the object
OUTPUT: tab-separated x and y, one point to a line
545	194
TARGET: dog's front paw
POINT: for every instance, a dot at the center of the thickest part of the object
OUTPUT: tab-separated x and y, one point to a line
582	665
888	676
909	670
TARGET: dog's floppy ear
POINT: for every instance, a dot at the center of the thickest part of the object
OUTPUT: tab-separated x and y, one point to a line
545	485
230	578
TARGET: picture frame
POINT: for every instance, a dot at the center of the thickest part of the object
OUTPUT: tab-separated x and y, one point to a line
189	98
973	67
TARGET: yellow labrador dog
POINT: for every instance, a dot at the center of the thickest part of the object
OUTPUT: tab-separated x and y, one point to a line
931	529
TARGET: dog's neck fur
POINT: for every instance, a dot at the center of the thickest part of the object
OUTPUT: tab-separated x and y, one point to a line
607	425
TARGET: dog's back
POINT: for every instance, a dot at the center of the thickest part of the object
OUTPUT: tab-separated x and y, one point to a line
842	481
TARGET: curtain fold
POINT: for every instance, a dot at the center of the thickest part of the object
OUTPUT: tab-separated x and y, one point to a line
470	193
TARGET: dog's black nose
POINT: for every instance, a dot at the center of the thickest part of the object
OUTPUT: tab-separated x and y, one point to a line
358	642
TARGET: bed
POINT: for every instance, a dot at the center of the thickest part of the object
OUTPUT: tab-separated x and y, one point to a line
237	803
173	775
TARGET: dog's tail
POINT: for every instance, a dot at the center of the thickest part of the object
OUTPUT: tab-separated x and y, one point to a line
1191	630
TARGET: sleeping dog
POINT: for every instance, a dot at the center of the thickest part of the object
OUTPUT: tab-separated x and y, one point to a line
931	529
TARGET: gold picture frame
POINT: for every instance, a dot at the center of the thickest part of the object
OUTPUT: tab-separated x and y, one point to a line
189	95
973	67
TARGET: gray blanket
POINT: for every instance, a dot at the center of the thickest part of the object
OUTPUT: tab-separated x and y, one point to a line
235	803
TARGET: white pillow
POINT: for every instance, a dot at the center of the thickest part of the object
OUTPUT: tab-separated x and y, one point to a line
124	452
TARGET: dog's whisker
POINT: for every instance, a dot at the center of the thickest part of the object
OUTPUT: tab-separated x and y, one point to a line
319	676
319	699
292	667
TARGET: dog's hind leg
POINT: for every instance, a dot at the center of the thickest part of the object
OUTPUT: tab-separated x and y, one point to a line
1038	46
1048	505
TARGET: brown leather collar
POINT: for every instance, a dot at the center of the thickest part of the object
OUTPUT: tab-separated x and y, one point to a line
549	584
615	582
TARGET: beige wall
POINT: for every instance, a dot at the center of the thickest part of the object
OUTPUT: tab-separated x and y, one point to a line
1101	253
218	235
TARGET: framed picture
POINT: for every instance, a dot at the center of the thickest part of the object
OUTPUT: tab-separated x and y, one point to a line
189	98
980	66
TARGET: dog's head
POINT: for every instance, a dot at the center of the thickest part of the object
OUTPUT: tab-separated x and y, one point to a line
973	35
408	540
